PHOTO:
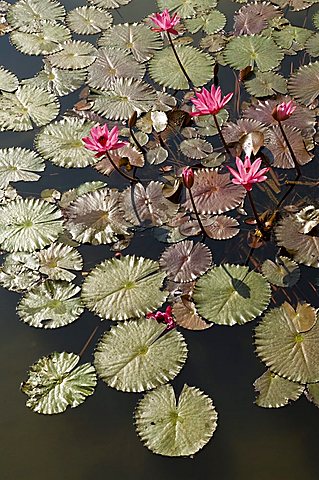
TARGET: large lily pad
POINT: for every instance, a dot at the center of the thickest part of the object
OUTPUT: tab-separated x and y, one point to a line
28	15
274	391
135	356
89	20
304	85
231	294
124	288
56	261
172	428
19	164
55	382
74	55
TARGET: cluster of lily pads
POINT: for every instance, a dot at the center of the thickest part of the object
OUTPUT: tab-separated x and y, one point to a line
143	80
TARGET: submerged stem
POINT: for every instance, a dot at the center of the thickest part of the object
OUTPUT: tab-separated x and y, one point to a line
197	215
293	156
179	62
259	224
221	136
131	179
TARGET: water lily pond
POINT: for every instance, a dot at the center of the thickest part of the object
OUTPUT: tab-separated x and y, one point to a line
159	223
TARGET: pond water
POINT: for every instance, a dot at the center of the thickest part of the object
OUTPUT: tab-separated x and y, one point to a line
98	439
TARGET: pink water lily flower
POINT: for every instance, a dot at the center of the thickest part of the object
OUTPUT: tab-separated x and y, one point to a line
164	317
248	173
102	140
209	102
283	111
165	22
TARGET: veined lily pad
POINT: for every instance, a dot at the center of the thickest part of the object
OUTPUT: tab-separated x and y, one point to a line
211	22
231	294
109	3
8	81
55	383
312	393
28	15
165	70
125	97
19	164
28	224
96	217
56	261
291	37
277	145
135	356
196	148
265	84
61	143
124	288
285	350
284	272
303	85
186	8
186	316
89	20
222	227
74	55
19	271
70	195
274	391
27	106
134	38
253	50
312	45
172	428
50	305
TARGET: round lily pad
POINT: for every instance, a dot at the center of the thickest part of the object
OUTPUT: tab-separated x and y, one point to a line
274	391
283	272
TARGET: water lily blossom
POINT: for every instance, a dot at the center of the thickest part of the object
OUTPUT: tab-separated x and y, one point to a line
209	102
248	173
188	177
102	140
165	22
164	317
283	111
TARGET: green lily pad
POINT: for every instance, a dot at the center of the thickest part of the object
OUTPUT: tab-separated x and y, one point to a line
231	294
284	272
186	8
55	382
265	84
19	271
303	85
50	305
19	164
88	20
28	15
135	356
312	393
109	3
175	428
8	81
56	261
124	288
212	22
274	391
73	55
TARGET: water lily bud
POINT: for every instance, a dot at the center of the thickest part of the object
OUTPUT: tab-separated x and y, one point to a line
132	120
283	111
188	177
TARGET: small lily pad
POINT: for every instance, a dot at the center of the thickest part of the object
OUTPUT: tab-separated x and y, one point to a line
283	272
56	261
19	164
274	391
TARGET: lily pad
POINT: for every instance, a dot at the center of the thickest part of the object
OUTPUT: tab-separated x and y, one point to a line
186	8
175	428
211	22
28	225
124	288
265	84
274	391
19	164
312	393
73	55
231	294
55	382
284	350
28	15
276	143
56	261
109	3
283	272
88	20
196	148
135	356
303	85
186	316
50	305
8	81
19	271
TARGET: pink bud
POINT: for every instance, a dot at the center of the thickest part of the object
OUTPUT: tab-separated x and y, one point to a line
283	111
188	177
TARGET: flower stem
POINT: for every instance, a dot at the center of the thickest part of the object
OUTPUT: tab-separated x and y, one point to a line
197	215
137	143
293	156
131	179
259	224
221	136
179	62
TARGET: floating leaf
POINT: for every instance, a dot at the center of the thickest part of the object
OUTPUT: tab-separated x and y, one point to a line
109	3
222	227
165	70
274	391
308	217
312	393
47	40
172	428
186	8
19	271
312	45
28	224
284	350
124	288
54	383
74	55
61	143
70	195
276	143
303	85
135	356
265	84
214	192
303	248
125	97
19	164
212	22
96	217
111	64
28	105
213	43
186	316
291	37
196	148
284	272
231	294
157	155
50	305
134	38
28	15
56	261
253	50
88	20
254	17
148	204
8	81
185	261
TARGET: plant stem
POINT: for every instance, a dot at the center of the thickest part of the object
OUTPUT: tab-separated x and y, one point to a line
259	224
197	215
179	62
221	136
137	143
87	343
293	156
131	179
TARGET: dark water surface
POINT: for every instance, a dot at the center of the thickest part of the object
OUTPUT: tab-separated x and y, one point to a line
97	440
